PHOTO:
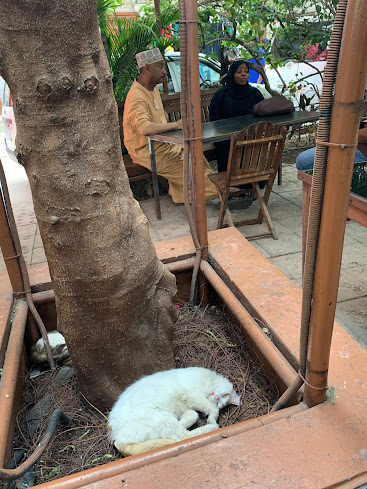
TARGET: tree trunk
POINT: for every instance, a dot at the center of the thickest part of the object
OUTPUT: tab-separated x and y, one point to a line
114	298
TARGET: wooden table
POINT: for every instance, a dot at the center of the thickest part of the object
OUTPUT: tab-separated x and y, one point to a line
357	206
213	132
220	130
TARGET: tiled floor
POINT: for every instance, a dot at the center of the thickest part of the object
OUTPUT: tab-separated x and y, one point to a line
285	207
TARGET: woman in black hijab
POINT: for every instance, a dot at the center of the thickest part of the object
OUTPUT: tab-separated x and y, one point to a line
236	98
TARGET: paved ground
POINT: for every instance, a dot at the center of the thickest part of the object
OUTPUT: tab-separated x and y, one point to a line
285	207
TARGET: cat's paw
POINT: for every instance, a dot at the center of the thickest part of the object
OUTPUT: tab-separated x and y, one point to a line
212	419
212	426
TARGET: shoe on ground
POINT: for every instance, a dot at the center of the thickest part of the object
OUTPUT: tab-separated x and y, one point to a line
235	203
214	202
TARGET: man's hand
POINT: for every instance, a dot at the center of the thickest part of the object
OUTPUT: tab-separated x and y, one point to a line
154	128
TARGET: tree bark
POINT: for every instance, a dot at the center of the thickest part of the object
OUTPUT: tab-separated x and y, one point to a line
114	298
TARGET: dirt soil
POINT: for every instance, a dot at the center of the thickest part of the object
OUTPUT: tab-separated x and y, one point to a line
204	337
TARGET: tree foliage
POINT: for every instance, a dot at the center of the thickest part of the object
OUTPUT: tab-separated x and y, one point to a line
126	36
276	30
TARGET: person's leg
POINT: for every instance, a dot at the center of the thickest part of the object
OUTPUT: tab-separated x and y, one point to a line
305	160
222	153
170	166
359	157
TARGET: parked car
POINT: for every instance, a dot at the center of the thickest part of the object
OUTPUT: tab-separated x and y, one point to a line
10	128
209	72
292	71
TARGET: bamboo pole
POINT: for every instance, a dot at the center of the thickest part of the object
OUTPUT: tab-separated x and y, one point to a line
346	113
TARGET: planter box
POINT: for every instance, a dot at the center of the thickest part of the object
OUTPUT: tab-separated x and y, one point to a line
295	447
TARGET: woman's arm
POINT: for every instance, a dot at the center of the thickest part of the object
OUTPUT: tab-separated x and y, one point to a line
215	106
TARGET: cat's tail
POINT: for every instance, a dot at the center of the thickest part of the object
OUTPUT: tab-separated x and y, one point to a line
128	449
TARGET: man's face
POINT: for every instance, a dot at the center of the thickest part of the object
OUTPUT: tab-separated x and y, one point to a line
157	71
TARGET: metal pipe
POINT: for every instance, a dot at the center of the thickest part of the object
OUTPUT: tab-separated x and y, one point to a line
286	374
195	131
26	286
187	149
318	182
8	247
10	373
316	199
347	107
43	297
181	266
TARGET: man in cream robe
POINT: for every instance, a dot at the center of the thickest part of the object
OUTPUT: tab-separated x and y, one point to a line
144	115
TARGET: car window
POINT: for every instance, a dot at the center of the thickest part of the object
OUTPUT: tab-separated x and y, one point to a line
170	84
208	74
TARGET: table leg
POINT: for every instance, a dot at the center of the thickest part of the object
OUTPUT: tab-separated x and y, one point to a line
280	176
157	204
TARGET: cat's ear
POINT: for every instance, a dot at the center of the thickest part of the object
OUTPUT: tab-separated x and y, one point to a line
235	398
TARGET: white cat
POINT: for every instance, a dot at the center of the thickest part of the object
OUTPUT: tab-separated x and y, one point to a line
158	409
58	347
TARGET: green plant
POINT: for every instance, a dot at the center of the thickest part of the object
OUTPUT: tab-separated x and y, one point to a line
288	27
126	37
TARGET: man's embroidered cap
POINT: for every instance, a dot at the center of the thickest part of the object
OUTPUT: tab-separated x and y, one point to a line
148	57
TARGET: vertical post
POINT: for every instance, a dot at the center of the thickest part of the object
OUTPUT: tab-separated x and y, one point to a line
8	249
347	106
194	122
157	9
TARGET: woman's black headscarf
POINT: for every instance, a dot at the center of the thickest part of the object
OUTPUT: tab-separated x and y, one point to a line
237	91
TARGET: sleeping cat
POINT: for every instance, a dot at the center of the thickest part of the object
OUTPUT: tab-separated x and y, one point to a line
158	409
58	347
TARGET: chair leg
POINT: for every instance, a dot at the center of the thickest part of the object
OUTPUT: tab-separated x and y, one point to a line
223	197
157	203
280	174
267	193
229	218
265	212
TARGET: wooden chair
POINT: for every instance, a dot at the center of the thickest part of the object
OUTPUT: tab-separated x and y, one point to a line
254	157
171	104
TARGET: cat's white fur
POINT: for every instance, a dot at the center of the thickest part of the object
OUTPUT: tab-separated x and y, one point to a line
158	409
58	347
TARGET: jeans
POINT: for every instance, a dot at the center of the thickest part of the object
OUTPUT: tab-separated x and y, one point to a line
305	159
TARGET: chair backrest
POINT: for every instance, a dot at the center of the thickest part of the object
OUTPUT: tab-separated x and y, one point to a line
257	150
171	104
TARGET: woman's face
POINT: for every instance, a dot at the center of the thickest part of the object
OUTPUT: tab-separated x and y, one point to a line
242	75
